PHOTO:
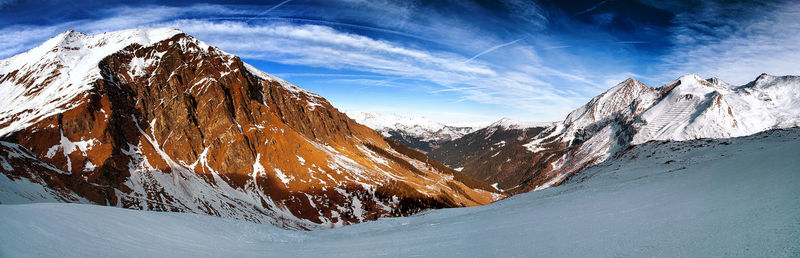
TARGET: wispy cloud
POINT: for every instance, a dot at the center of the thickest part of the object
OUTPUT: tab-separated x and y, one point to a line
516	77
719	40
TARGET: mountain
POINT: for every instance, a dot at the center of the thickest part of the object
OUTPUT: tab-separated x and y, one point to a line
628	114
485	153
726	197
415	132
158	120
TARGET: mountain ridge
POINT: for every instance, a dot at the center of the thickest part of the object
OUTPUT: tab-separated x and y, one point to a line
627	114
417	132
167	122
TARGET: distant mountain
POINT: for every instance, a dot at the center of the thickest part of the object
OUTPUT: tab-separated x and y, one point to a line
158	120
485	153
416	132
628	114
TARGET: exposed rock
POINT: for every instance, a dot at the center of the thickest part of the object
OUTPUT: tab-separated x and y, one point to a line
177	125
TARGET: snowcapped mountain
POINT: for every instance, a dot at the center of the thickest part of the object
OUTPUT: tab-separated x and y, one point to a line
507	123
725	197
692	108
630	113
158	120
417	132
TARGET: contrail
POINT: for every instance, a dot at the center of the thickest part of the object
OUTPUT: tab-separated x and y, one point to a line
632	42
268	10
471	58
590	8
491	49
324	22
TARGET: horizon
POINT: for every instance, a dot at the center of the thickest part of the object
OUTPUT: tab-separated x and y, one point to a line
524	60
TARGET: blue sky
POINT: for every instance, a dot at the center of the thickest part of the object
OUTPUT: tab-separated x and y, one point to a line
454	61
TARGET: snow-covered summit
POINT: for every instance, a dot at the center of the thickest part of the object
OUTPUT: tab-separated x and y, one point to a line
421	127
50	78
630	113
690	107
592	116
44	80
508	123
696	108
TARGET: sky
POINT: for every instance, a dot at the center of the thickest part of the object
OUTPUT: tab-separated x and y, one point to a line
456	62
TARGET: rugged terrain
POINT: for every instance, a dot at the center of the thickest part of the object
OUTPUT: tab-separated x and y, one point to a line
630	113
158	120
726	197
416	132
485	153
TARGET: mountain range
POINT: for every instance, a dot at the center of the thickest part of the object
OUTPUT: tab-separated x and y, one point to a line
521	158
416	132
157	120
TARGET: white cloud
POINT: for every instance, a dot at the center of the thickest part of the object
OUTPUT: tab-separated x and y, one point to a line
715	41
520	82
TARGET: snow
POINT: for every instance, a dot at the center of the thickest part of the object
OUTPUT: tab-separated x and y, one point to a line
258	169
602	108
67	147
285	179
62	69
312	99
421	127
697	108
533	147
705	199
22	190
189	186
51	76
510	123
688	108
184	188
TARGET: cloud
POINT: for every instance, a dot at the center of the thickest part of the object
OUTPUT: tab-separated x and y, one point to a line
519	79
322	46
720	40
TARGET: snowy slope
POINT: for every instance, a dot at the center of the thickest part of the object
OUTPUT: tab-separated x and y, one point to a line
719	198
696	108
42	81
690	107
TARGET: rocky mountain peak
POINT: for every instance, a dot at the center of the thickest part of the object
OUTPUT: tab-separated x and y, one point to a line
605	106
158	120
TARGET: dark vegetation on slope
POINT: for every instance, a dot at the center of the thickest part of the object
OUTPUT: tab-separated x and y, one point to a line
462	177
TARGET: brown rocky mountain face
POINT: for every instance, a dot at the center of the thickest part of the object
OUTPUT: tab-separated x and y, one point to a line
177	125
